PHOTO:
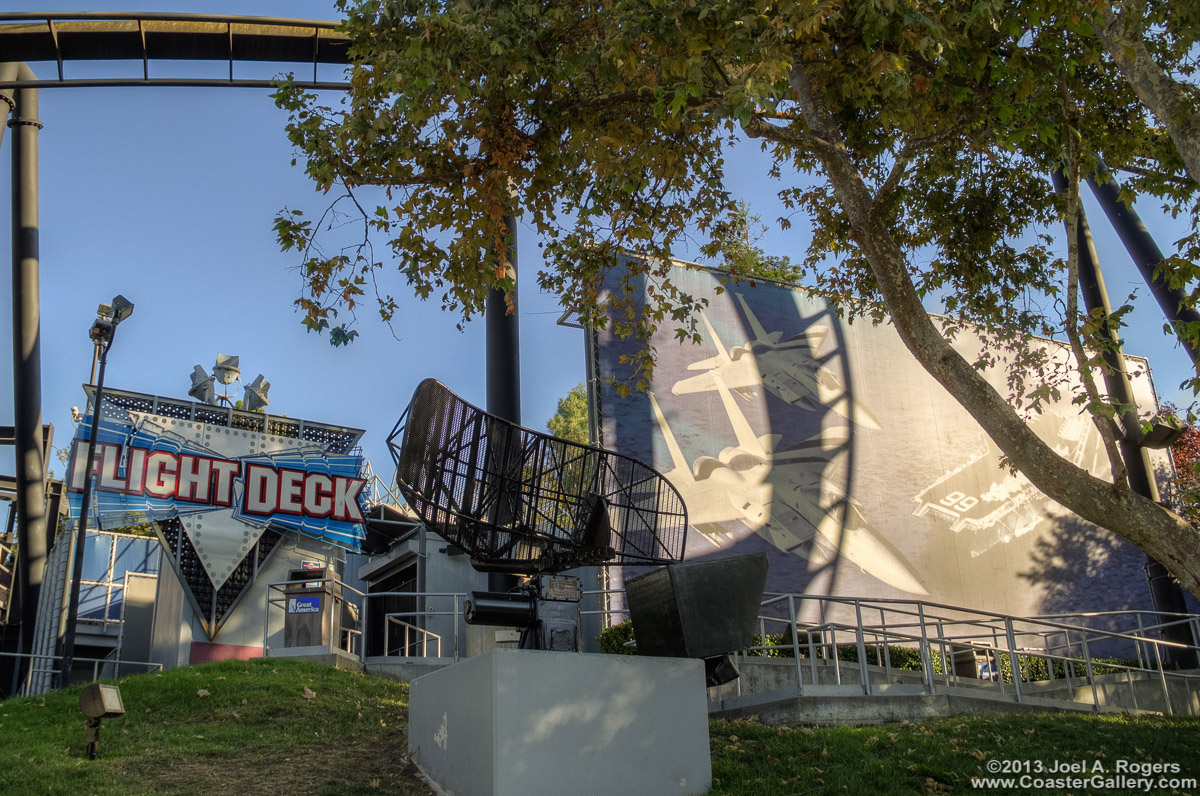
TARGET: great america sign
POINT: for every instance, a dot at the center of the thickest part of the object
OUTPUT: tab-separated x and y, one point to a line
220	487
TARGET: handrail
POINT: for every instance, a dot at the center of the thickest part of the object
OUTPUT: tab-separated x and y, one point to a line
993	635
27	689
423	634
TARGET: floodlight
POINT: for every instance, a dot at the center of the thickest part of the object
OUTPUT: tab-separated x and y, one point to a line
256	393
202	386
227	368
99	701
102	330
104	310
122	308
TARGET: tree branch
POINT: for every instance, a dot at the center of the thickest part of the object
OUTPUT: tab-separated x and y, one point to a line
757	128
1155	529
1155	175
1165	97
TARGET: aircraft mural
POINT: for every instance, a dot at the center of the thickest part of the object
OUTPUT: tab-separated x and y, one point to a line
790	369
826	444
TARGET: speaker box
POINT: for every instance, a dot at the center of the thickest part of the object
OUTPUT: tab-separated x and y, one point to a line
697	609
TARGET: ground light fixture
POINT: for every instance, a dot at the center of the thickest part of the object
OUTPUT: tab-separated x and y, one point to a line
99	701
104	329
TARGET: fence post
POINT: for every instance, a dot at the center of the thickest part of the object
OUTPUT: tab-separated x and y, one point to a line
926	653
1138	646
267	620
1162	679
1132	690
362	639
837	664
796	645
1014	663
864	677
1091	674
885	651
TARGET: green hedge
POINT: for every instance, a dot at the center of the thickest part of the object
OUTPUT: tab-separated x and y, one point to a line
612	639
779	645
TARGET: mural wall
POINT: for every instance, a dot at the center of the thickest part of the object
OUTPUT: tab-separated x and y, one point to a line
826	444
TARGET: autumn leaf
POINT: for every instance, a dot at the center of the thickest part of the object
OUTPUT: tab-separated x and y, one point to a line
309	693
202	693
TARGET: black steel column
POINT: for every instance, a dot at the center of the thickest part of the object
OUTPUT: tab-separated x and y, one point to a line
27	375
85	505
1165	592
503	365
1145	254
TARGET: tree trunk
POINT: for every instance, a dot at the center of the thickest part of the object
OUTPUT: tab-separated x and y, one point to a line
1150	527
1168	99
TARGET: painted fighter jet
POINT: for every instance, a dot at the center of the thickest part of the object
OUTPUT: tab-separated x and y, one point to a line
979	496
789	497
789	369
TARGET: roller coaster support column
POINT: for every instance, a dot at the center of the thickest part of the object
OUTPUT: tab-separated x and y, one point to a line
1145	254
504	364
1165	592
22	105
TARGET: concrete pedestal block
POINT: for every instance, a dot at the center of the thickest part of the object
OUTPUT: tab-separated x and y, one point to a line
530	722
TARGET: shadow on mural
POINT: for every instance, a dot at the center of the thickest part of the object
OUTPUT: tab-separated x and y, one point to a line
826	444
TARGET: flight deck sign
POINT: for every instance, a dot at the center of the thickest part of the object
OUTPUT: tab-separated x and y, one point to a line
226	475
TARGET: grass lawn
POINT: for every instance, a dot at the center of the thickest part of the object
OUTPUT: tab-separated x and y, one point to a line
300	729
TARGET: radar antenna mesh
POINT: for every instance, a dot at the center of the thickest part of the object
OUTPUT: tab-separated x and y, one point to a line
521	501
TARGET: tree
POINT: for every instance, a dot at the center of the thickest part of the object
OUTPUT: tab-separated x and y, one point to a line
1183	491
927	130
570	421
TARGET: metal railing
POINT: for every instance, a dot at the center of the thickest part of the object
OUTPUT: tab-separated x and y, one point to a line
414	637
423	613
1021	657
47	665
869	646
280	593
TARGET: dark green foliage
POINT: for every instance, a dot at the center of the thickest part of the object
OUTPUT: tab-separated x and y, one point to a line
612	639
570	421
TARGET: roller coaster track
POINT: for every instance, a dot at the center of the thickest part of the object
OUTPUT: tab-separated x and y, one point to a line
64	38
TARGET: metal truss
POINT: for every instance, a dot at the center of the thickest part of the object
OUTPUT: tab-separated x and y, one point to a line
147	37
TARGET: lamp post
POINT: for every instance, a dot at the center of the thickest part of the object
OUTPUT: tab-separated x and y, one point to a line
102	333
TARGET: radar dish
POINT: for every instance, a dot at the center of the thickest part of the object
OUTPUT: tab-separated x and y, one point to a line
524	502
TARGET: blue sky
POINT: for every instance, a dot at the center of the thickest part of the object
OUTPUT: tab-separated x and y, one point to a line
167	196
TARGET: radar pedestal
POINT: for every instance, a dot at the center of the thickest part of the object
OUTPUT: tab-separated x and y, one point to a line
536	722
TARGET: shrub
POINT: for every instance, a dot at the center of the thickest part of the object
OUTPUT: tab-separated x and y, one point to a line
612	639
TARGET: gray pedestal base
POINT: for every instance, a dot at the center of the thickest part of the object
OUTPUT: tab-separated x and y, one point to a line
527	723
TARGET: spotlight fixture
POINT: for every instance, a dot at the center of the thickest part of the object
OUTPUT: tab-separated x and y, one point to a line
202	386
227	369
256	393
